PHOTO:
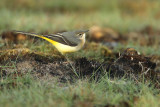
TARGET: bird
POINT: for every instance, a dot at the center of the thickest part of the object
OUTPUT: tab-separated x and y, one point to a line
64	42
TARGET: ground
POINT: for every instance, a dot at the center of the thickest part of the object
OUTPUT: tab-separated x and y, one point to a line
119	66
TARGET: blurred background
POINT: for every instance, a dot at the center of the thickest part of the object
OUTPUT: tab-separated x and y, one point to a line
109	21
52	15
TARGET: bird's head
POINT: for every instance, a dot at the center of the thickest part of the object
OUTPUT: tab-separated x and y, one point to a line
81	34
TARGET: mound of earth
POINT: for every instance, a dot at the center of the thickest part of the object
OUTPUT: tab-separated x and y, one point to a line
129	65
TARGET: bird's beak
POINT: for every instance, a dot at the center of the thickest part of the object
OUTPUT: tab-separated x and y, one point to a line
85	31
83	34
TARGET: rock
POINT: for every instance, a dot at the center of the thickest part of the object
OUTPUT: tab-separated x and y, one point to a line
99	34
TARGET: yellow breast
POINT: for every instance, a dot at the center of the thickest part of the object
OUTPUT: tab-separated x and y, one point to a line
64	48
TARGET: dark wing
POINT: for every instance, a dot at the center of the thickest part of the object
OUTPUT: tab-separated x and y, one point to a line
61	39
71	37
66	38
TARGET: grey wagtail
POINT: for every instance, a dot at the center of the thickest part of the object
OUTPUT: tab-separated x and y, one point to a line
64	42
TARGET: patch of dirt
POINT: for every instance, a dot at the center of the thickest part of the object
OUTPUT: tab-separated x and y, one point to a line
21	53
24	60
130	64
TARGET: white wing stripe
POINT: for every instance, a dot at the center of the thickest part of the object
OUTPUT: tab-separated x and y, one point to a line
56	35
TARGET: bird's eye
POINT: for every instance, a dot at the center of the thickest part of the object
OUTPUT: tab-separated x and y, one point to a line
80	34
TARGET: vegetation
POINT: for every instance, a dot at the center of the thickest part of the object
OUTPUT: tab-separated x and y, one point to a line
27	91
51	16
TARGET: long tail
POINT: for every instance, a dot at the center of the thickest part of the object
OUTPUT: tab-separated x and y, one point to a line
30	34
36	35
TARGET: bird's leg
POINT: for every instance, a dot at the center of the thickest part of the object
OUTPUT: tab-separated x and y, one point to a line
68	60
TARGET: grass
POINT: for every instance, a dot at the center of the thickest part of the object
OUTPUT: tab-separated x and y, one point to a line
52	16
27	91
145	50
42	22
27	16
